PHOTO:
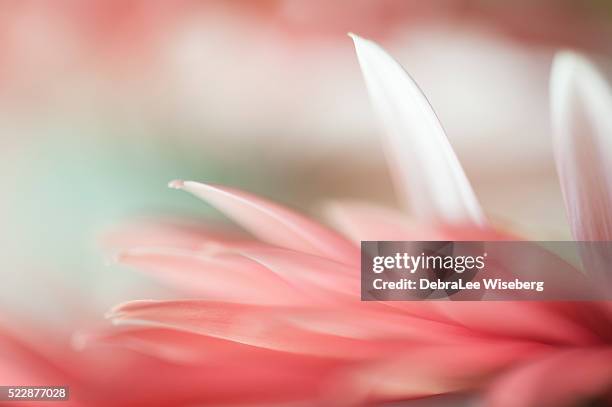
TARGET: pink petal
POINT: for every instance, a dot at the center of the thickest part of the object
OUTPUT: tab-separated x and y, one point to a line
273	223
316	277
352	333
224	276
425	167
252	274
563	379
582	122
261	326
184	347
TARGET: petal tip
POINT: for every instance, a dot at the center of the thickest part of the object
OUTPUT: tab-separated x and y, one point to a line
568	58
569	66
353	36
363	45
176	184
117	311
566	55
563	64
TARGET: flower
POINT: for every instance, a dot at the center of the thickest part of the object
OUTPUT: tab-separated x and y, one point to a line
287	300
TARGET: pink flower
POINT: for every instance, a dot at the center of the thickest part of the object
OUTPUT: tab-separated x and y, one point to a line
284	303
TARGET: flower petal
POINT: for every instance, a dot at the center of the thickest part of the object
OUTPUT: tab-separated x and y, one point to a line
221	276
581	108
318	277
185	348
250	274
260	326
273	223
423	162
349	333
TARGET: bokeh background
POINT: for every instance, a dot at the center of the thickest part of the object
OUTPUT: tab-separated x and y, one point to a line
103	102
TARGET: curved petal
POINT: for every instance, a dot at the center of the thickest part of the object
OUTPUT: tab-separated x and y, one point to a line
349	333
423	162
273	223
581	108
263	326
186	348
317	277
221	276
254	275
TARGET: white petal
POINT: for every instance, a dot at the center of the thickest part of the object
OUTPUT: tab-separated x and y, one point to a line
423	163
581	108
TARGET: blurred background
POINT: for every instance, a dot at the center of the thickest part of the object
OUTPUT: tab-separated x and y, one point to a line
103	102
